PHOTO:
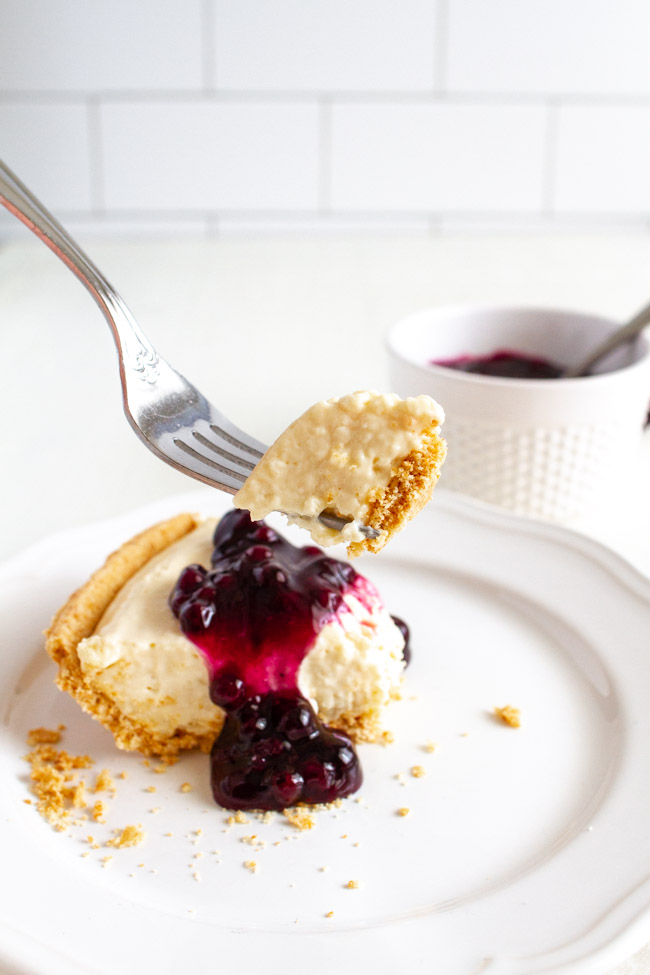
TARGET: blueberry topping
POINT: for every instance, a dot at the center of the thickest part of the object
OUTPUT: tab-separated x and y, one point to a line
254	616
228	691
406	633
258	764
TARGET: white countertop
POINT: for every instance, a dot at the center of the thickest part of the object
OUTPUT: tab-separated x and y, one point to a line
264	329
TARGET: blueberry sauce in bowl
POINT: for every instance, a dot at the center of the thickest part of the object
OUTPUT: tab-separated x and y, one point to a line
254	616
504	364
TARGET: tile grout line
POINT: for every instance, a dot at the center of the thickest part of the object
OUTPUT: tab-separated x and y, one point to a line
432	227
208	46
213	227
96	156
549	158
494	217
324	155
393	97
441	46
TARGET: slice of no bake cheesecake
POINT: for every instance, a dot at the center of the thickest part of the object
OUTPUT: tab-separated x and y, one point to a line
161	631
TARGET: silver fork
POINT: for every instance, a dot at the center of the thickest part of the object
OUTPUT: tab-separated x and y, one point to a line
171	417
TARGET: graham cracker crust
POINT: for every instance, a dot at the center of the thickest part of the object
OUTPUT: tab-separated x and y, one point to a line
407	492
78	619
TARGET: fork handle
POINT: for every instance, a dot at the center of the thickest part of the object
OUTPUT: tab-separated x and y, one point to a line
134	349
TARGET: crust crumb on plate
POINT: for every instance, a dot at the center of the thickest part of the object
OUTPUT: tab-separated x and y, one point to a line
104	782
53	780
44	736
509	715
299	818
129	836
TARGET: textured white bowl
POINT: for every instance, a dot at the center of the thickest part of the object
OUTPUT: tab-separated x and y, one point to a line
553	449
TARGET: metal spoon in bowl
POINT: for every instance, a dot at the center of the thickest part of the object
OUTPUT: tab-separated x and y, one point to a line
623	334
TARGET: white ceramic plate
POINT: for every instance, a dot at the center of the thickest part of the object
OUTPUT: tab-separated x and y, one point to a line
524	851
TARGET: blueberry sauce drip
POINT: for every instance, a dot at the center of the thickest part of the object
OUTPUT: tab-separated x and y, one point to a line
504	364
273	752
254	616
407	653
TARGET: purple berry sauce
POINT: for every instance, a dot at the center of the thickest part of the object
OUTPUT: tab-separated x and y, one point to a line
504	364
254	616
407	653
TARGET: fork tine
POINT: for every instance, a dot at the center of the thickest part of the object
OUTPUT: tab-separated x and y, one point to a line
213	465
218	449
244	445
222	427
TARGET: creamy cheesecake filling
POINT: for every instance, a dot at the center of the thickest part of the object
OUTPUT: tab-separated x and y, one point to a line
140	659
138	656
355	665
342	455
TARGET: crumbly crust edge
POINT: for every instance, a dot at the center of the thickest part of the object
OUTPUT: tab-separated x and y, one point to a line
366	727
78	619
408	491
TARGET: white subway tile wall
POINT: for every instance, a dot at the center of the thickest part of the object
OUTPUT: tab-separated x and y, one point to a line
210	156
49	146
101	46
224	117
437	157
325	45
549	47
604	158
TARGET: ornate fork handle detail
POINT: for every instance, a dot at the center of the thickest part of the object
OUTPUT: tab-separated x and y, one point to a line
135	350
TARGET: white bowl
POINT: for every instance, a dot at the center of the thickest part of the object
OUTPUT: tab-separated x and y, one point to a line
550	448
